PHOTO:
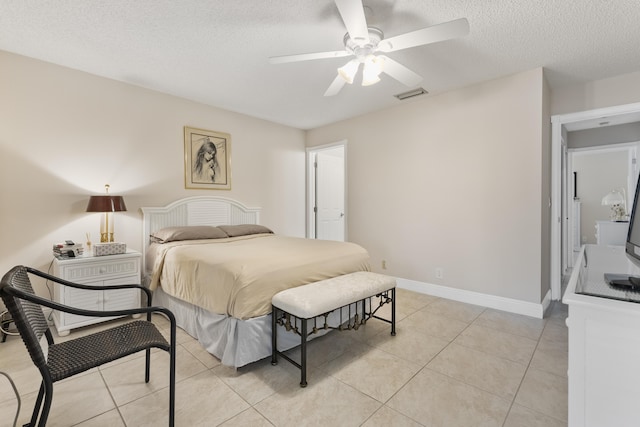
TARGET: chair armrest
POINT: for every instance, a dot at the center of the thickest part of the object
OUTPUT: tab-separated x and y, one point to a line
81	312
87	287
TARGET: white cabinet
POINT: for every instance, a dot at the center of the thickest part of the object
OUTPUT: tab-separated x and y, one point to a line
611	232
108	270
604	341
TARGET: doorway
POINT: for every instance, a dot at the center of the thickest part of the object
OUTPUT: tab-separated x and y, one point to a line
560	125
326	192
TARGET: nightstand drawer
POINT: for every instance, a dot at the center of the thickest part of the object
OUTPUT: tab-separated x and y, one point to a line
98	270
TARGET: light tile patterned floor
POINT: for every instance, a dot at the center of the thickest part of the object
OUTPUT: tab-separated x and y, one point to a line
451	364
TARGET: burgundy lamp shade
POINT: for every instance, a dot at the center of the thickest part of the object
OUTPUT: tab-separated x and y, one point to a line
106	203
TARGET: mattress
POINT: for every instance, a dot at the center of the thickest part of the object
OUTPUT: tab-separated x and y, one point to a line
238	276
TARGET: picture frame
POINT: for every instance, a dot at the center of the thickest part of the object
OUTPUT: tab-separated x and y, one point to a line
207	159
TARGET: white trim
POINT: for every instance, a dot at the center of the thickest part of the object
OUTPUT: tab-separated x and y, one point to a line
546	302
621	146
594	114
470	297
556	203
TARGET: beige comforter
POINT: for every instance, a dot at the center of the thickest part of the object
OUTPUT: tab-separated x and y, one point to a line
239	276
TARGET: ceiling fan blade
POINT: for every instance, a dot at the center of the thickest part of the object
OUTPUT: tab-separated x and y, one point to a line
335	86
352	13
433	34
400	72
307	56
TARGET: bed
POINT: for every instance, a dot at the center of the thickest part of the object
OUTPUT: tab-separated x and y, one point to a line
210	261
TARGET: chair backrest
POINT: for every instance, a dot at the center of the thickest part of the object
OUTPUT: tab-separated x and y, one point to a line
27	316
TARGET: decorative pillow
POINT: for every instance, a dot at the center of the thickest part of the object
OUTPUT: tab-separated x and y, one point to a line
192	232
244	229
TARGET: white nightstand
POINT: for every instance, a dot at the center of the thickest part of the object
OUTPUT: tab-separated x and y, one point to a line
100	271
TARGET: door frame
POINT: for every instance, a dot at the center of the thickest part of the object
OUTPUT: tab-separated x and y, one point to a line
558	123
311	186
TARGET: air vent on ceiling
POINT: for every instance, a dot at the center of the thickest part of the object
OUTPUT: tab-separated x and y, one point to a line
411	94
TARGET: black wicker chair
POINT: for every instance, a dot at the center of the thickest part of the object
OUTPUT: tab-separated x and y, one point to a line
80	354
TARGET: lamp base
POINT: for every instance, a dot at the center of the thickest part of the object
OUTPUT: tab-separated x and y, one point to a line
106	237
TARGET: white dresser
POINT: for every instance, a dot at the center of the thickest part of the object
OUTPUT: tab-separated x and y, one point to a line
107	270
611	232
604	341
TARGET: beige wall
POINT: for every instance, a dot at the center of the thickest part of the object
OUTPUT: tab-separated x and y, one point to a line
454	182
64	134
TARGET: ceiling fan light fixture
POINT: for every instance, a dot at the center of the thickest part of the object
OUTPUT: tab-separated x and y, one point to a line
372	69
349	70
368	80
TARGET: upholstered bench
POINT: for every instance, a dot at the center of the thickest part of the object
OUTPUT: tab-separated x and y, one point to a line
352	294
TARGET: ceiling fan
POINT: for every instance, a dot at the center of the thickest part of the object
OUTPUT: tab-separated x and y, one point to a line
366	43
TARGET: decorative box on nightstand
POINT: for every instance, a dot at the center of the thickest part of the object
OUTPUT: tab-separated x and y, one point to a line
107	270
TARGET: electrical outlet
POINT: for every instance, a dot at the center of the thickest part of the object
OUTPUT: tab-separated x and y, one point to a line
439	273
384	264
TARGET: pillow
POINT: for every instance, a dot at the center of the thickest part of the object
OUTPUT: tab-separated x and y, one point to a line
193	232
244	229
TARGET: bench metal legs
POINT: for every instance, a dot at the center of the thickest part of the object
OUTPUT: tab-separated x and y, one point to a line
303	346
303	354
274	335
278	318
393	312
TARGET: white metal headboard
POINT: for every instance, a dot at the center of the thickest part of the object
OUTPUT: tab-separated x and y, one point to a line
196	210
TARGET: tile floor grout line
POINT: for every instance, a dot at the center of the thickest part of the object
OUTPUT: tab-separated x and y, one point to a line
422	369
495	355
104	381
515	395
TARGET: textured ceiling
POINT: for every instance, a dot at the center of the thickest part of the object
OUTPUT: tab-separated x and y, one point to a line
216	51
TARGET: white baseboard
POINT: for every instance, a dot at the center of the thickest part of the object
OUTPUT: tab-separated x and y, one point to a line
546	302
477	298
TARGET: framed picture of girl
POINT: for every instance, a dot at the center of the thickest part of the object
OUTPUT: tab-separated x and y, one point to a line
207	159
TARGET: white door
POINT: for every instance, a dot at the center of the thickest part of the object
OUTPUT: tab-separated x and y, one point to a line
329	207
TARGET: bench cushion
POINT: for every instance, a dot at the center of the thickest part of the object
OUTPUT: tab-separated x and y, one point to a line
324	296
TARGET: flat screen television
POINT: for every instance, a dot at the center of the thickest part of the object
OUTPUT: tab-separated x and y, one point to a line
633	235
632	248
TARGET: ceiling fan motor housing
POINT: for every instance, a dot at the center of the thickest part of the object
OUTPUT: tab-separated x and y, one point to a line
359	47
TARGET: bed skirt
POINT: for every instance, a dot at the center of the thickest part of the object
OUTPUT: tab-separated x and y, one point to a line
235	342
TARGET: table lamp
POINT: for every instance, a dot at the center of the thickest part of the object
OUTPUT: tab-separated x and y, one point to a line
106	204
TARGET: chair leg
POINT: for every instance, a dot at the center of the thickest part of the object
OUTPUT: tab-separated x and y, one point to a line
147	366
38	405
48	397
172	382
